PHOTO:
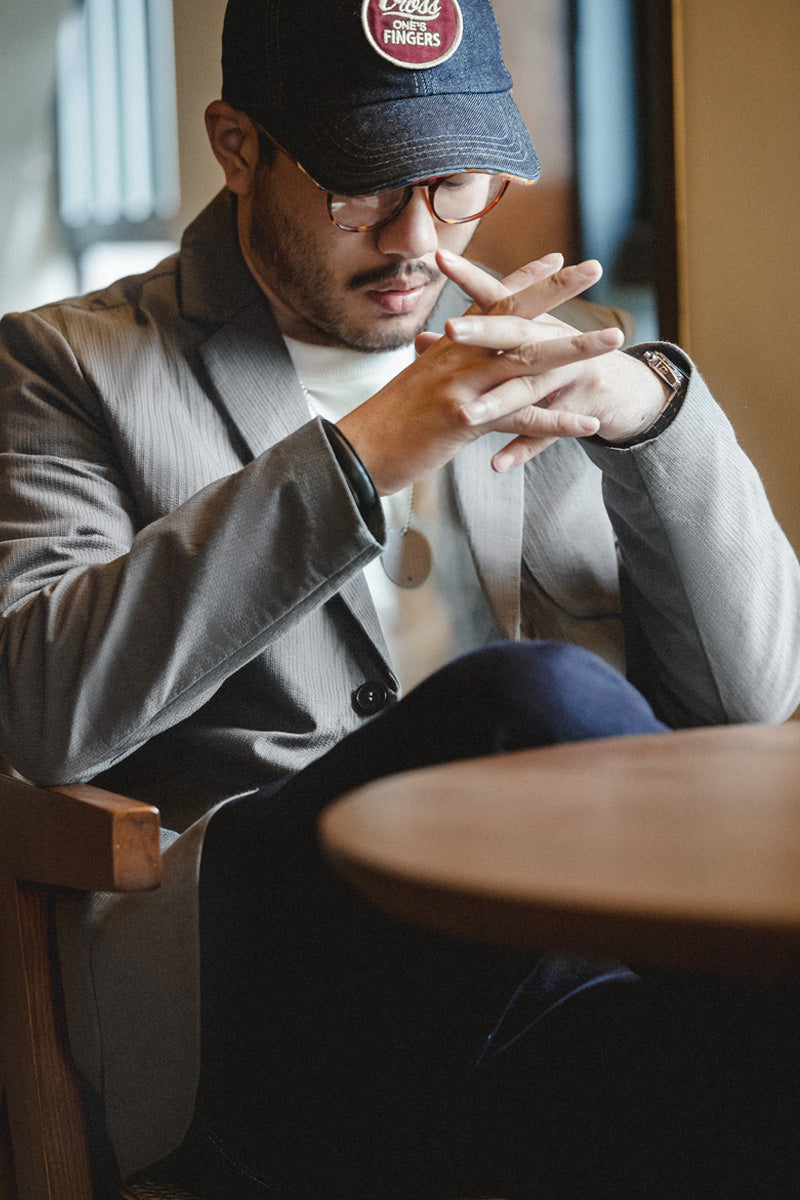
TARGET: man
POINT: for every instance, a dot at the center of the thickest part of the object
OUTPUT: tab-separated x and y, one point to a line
254	496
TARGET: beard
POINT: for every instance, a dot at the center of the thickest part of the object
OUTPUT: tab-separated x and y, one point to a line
290	259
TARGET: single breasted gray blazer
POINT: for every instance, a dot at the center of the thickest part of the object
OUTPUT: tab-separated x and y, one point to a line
184	616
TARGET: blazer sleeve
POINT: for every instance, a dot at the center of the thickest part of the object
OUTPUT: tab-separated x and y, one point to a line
710	584
100	607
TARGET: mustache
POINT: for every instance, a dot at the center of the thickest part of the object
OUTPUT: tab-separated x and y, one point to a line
384	274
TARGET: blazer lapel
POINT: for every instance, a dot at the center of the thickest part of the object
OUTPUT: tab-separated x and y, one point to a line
254	380
490	505
243	353
491	509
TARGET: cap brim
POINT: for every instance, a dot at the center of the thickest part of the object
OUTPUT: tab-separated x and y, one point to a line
379	146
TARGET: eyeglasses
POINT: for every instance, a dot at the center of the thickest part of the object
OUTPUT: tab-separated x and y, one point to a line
453	199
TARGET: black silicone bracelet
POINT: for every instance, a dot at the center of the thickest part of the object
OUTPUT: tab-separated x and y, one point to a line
358	477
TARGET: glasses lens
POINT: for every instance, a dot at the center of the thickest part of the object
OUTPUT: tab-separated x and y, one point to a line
365	212
465	196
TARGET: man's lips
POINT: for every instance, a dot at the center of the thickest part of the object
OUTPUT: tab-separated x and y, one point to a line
398	295
396	292
397	300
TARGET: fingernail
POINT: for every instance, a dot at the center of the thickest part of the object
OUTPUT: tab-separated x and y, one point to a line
610	337
503	462
588	425
555	257
458	327
474	411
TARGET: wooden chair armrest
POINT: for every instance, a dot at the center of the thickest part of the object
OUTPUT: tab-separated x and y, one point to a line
71	837
78	837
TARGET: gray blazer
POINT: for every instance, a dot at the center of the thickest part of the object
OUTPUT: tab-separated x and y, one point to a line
184	616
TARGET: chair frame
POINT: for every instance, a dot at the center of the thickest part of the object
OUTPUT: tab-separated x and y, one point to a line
78	837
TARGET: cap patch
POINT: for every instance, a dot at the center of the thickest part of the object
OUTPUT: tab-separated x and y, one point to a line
413	33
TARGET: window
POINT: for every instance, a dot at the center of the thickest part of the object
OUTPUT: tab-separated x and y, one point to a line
117	133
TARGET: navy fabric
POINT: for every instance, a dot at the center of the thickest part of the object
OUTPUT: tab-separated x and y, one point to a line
348	1057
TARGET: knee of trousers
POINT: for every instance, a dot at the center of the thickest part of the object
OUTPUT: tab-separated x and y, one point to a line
537	692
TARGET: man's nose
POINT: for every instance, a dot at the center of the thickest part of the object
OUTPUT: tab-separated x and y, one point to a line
413	232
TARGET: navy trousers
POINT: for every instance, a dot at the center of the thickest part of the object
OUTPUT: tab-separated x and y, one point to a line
348	1057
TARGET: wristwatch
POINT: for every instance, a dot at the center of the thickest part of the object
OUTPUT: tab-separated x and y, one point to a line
676	382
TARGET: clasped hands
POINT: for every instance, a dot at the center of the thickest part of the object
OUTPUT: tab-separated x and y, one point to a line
506	366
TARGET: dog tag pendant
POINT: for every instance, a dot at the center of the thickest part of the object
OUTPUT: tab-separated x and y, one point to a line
406	558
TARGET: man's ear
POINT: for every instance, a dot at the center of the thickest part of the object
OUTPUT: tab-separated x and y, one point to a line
234	141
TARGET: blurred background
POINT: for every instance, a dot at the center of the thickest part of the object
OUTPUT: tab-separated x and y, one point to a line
667	129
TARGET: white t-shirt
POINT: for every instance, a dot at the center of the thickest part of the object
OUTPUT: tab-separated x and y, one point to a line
428	625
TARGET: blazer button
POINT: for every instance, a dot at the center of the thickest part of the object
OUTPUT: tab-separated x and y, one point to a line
370	698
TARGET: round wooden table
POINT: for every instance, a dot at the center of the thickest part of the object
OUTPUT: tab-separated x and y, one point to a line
668	850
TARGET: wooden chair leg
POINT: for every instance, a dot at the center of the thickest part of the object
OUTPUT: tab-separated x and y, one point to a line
42	1093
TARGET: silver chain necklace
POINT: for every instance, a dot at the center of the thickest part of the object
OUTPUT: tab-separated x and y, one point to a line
407	557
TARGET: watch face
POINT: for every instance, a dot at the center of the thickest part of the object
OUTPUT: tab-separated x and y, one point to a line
665	369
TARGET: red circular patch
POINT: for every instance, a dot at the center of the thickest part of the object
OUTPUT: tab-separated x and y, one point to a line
413	33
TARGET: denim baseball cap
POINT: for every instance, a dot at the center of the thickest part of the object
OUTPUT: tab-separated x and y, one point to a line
373	94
